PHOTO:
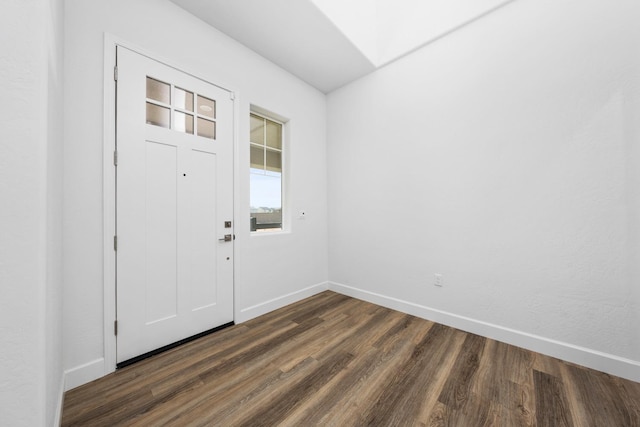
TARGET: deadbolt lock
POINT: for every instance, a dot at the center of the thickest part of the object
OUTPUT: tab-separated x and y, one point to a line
227	224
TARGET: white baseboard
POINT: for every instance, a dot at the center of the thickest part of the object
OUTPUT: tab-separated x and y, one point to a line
279	302
83	374
57	420
609	363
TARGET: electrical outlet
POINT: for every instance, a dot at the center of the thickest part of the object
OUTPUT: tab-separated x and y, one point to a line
437	281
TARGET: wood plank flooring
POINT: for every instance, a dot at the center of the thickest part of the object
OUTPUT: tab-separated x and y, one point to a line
331	360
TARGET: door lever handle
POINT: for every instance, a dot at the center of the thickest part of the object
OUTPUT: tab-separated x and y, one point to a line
226	238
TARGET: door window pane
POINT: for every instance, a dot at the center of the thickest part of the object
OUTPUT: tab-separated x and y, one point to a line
206	107
206	128
183	99
158	91
158	116
183	122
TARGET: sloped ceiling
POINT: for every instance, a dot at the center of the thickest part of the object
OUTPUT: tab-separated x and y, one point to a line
329	43
293	34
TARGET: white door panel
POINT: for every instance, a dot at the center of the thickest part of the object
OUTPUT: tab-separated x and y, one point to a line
174	194
202	253
161	222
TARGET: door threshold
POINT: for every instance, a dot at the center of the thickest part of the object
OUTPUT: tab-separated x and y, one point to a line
170	346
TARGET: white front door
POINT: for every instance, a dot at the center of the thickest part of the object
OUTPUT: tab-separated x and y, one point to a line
174	274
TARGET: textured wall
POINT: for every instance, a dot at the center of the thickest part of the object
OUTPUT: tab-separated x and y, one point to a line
505	157
31	214
22	154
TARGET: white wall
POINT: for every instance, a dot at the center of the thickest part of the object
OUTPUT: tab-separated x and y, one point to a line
505	157
270	270
30	218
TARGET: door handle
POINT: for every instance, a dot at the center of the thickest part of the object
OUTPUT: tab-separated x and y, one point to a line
226	238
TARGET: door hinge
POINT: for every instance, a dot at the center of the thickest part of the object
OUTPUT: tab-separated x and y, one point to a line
115	73
115	327
115	158
115	243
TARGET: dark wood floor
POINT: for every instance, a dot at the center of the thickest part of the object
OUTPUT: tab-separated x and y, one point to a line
331	360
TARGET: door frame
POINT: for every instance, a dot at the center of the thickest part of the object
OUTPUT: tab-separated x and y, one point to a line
111	43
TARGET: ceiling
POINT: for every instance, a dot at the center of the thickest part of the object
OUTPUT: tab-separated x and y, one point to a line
329	43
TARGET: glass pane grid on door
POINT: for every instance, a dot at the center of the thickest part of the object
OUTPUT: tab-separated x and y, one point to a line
179	109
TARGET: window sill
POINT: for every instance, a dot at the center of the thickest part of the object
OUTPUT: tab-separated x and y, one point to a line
268	233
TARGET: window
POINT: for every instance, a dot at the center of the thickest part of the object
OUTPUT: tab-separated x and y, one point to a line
161	106
265	174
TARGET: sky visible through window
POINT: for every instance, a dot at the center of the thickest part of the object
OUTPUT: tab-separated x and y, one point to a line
266	190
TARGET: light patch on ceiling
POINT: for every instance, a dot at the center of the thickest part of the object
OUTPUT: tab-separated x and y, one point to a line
384	30
357	20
